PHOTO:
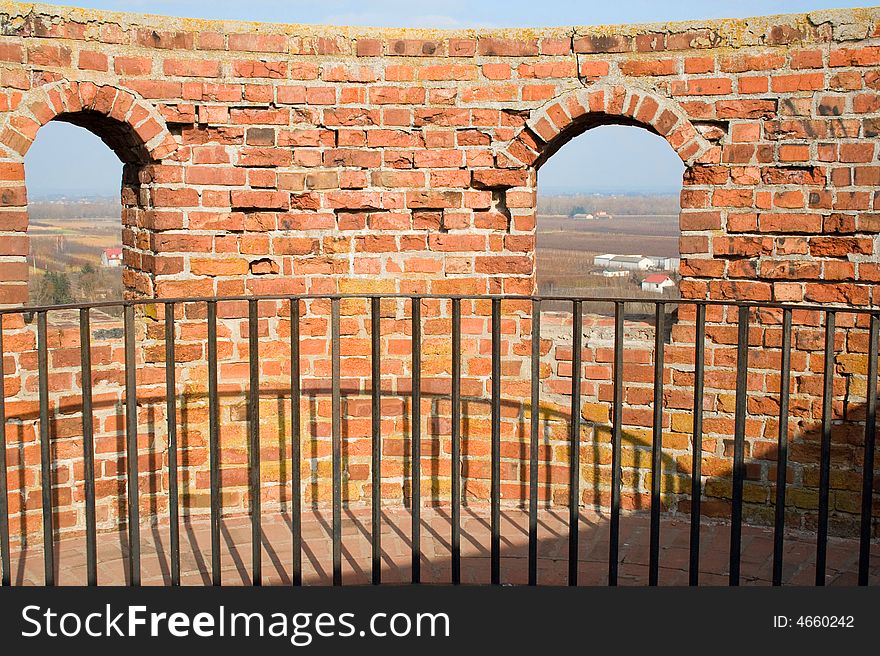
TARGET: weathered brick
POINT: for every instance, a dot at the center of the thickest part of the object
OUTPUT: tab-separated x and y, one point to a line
191	68
649	67
258	42
361	161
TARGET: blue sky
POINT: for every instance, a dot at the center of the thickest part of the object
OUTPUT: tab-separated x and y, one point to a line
67	159
463	13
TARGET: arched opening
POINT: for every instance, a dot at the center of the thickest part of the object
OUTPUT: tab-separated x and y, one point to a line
74	210
550	128
608	216
136	134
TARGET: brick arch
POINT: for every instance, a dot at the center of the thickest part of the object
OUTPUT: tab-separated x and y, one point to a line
131	127
552	125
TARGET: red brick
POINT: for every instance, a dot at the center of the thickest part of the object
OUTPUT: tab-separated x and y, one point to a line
495	47
790	223
602	43
11	52
92	61
648	67
251	42
703	87
745	108
753	84
496	71
413	47
152	38
260	199
369	48
260	69
214	266
868	56
48	54
799	82
205	175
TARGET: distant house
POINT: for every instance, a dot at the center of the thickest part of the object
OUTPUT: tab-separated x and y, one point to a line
626	262
111	257
664	263
615	273
657	282
583	217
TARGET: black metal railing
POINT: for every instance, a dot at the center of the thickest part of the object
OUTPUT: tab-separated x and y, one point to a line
743	311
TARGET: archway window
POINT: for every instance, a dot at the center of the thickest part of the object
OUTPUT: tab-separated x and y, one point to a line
133	131
608	216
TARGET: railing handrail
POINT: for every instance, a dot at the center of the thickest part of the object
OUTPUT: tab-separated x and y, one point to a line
774	305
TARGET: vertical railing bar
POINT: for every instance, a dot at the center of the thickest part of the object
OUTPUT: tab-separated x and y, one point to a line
456	441
739	430
336	437
131	456
825	451
574	448
171	425
296	444
376	418
495	484
85	352
254	439
697	442
870	441
214	443
45	452
416	438
5	565
534	441
616	438
782	447
657	444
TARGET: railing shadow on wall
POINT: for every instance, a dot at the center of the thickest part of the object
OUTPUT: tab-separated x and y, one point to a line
590	483
676	484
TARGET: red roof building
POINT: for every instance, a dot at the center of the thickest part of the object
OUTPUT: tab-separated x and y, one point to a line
657	282
657	278
111	257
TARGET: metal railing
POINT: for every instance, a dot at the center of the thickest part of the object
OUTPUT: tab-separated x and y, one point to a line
743	309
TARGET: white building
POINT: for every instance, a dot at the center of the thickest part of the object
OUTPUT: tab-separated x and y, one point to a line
111	257
626	262
603	260
664	263
657	282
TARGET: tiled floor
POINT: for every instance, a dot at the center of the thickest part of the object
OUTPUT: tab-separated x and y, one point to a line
757	550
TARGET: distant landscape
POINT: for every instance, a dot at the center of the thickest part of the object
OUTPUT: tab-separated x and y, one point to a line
69	235
624	224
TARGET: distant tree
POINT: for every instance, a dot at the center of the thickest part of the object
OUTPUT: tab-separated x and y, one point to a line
577	209
88	281
54	288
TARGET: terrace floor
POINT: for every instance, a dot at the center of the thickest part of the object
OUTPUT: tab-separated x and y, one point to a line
757	551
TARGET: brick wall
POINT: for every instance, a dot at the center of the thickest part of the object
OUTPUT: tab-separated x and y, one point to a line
264	159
